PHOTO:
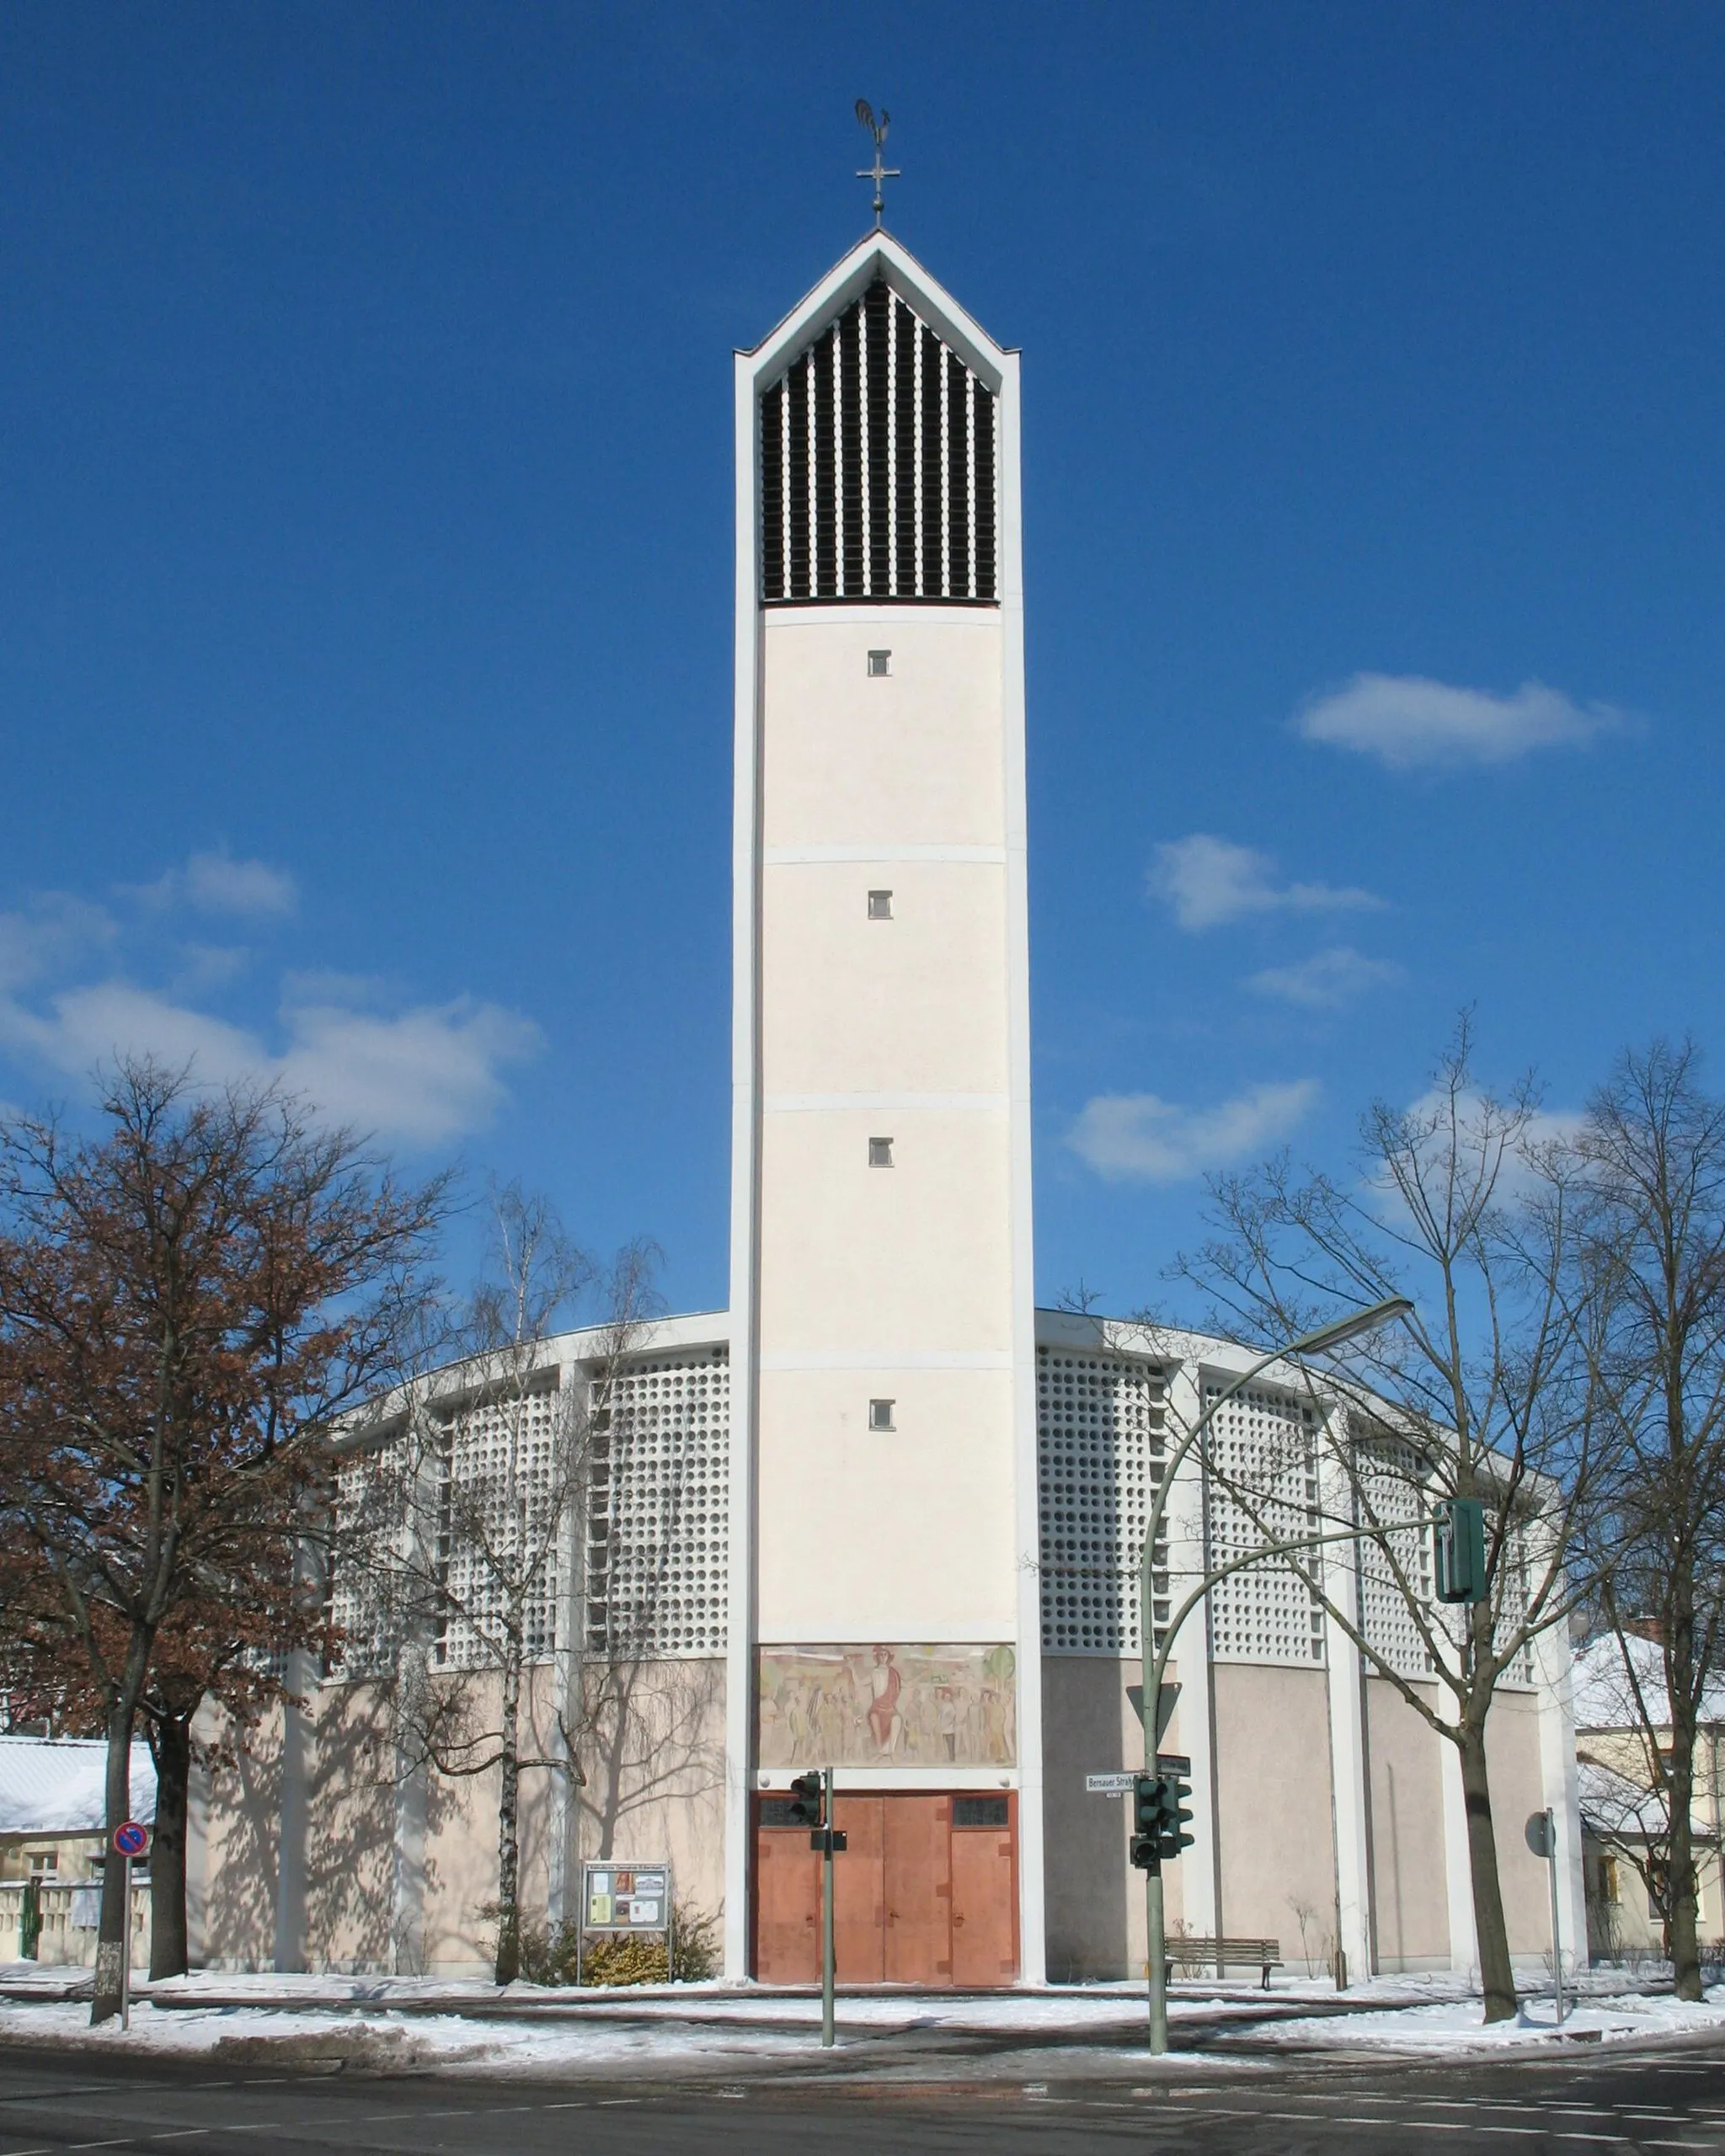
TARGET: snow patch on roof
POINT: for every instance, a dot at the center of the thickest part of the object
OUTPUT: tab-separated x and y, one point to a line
1604	1697
54	1785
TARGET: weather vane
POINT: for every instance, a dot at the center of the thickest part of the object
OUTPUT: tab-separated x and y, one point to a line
876	172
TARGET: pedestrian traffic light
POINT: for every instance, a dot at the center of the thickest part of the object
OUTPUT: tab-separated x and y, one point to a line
1458	1532
1147	1821
805	1806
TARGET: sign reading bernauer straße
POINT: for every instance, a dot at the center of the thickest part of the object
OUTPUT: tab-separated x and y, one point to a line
1166	1763
627	1897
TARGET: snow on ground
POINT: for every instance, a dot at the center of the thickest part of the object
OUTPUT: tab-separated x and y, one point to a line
326	2021
1458	2024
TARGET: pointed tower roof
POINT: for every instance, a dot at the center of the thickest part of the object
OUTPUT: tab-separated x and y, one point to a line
877	257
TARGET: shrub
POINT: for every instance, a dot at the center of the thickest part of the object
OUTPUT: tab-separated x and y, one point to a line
616	1958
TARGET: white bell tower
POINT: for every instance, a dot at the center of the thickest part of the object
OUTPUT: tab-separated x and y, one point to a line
883	1439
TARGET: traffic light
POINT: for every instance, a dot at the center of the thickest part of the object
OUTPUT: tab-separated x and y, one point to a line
1159	1820
1458	1532
1176	1818
805	1806
1147	1821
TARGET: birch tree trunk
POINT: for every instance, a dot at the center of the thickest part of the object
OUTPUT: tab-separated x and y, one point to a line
509	1827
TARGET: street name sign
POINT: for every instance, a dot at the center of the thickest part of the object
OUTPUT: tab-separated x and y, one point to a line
1166	1763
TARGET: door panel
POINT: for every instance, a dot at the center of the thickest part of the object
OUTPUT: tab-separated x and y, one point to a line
919	1890
985	1906
787	1906
857	1892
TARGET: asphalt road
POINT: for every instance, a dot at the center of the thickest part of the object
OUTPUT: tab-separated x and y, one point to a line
53	2104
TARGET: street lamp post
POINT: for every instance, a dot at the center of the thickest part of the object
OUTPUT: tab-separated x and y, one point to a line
1156	1657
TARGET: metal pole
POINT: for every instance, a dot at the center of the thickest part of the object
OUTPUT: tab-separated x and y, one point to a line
828	1968
1156	1939
1557	1936
125	1949
1154	1663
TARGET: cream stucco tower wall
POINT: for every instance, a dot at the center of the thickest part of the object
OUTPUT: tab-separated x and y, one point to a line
910	1283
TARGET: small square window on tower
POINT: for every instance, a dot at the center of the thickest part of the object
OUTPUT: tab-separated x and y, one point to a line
880	664
880	1152
880	905
880	1415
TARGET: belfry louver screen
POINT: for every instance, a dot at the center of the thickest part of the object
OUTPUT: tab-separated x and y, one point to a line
878	467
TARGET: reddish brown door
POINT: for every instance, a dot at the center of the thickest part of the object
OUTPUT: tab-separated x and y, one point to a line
856	1890
985	1906
787	1906
926	1893
918	1891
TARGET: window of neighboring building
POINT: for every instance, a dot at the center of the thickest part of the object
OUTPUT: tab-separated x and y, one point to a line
880	1152
880	905
880	1415
880	664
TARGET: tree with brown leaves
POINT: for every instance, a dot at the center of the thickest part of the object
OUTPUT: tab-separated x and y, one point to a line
189	1300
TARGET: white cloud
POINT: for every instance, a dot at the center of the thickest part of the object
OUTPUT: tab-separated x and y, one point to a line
93	1025
420	1076
1406	721
1326	979
1141	1138
1208	880
423	1075
216	882
56	931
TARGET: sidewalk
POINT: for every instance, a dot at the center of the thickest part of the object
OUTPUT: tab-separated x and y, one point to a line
374	2023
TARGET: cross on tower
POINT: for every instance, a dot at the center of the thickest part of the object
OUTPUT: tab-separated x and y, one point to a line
876	172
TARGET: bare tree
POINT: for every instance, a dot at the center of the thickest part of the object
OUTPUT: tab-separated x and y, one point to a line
1462	1205
187	1300
468	1519
646	1720
1653	1146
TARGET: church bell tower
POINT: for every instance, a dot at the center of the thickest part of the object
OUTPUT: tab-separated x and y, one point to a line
883	1616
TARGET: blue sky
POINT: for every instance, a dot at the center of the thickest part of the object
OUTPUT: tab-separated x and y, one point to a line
365	504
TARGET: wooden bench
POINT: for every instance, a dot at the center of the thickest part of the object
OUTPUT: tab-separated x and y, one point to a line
1187	1950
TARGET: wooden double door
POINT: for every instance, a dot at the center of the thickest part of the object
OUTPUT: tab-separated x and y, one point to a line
926	1892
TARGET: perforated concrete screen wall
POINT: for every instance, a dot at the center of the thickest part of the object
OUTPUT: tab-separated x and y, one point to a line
658	1516
1266	1445
494	1480
1099	1439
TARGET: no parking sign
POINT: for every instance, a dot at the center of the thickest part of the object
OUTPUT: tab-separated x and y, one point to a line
130	1840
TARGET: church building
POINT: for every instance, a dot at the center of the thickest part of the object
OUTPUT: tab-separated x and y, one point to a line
882	1514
